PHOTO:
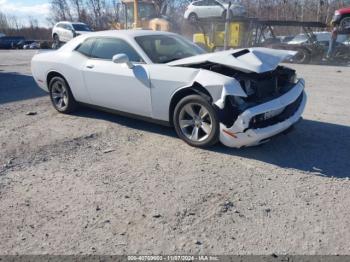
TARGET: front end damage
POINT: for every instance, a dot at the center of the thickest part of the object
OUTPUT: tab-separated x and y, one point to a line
272	101
275	101
255	125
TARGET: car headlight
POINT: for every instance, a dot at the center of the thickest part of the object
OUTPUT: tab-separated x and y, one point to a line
294	79
337	13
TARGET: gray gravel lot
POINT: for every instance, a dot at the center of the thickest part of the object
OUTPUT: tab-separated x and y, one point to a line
96	183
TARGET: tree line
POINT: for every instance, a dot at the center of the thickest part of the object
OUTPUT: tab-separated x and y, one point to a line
101	14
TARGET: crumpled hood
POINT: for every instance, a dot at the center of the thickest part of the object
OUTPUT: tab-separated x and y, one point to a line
257	60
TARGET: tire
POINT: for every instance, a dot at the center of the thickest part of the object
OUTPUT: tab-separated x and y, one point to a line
56	42
196	121
193	18
61	96
302	57
344	24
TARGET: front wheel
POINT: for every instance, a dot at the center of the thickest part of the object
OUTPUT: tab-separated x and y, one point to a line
196	121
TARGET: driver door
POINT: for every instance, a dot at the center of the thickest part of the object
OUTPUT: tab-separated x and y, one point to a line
116	86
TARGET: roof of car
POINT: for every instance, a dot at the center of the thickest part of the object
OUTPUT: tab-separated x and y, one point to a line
128	33
124	34
345	10
68	22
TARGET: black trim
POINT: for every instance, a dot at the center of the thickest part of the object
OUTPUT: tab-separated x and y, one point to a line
125	114
259	121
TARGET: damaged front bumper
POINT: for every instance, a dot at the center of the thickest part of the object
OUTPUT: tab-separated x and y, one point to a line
257	124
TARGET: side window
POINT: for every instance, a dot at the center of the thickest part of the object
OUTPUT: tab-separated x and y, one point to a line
200	3
106	48
85	47
67	27
213	3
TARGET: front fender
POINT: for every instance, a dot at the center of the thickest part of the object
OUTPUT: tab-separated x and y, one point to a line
219	86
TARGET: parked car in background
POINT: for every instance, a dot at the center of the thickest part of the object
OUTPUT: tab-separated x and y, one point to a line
33	45
321	37
1	35
342	18
347	41
286	39
63	32
238	97
212	8
10	42
21	44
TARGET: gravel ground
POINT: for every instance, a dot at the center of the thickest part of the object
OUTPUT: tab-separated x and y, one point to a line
96	183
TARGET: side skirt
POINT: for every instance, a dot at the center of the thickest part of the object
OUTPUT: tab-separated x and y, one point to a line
129	115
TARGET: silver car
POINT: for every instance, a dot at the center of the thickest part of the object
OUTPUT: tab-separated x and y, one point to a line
212	8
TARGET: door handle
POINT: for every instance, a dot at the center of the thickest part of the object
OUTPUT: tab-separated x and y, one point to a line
90	66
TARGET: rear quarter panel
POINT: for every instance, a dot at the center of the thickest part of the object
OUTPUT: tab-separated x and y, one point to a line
68	64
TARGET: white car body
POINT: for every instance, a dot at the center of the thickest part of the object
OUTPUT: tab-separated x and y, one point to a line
147	89
66	31
213	8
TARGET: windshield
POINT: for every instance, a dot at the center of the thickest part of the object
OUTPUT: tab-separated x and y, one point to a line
166	48
300	38
81	27
146	10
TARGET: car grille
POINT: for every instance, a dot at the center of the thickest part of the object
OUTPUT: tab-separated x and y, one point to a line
259	121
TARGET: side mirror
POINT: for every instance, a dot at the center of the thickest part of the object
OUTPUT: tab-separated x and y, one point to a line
122	59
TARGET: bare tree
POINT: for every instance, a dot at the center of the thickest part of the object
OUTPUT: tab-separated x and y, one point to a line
96	12
78	7
4	25
60	10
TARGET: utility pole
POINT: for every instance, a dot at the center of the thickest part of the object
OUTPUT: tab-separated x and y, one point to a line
227	24
136	14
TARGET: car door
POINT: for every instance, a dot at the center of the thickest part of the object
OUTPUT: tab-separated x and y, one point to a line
116	86
201	8
61	32
68	32
215	9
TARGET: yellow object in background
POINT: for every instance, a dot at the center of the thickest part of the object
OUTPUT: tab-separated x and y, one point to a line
216	38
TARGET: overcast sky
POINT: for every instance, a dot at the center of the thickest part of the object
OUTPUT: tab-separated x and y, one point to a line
38	9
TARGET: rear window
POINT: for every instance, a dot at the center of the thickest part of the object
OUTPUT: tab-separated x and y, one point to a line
199	3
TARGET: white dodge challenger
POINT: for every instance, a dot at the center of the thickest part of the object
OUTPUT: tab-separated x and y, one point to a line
238	97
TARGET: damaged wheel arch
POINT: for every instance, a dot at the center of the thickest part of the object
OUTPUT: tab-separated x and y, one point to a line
195	89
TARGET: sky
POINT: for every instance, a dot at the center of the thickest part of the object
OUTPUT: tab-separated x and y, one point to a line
38	9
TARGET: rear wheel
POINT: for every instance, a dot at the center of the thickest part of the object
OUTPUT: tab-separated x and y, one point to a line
193	18
61	96
196	121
